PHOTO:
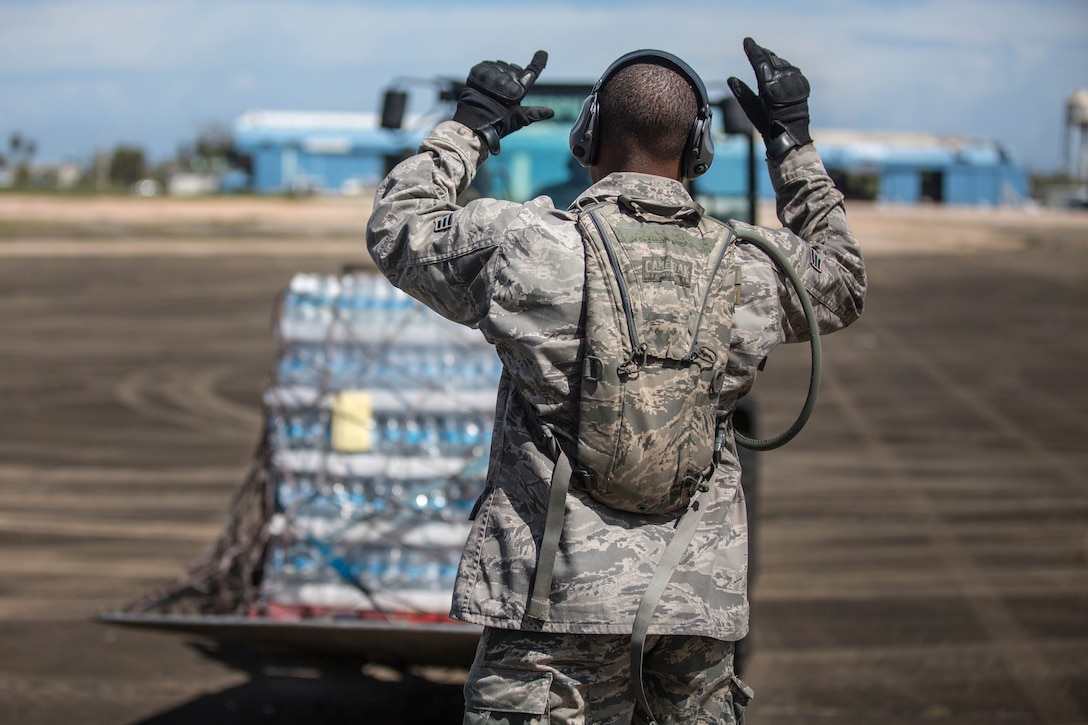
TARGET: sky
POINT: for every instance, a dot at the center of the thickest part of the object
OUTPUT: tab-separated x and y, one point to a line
81	76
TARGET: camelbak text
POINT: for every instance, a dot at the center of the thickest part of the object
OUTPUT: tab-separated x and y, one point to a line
657	269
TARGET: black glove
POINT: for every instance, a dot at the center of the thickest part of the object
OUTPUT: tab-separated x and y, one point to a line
780	111
491	103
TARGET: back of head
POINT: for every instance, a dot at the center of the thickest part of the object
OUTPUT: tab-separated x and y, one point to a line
648	109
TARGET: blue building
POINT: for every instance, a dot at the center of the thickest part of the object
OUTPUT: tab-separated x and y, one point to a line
297	152
909	168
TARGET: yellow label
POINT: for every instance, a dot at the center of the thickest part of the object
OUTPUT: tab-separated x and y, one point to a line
352	421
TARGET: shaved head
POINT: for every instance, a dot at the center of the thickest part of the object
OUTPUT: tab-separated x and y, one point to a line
649	107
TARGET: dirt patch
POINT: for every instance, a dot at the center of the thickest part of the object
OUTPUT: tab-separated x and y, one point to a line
882	229
925	229
35	217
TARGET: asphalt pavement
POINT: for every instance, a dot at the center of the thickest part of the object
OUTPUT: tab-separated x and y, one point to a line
922	546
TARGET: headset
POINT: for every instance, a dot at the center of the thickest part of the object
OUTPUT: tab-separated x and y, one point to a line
699	152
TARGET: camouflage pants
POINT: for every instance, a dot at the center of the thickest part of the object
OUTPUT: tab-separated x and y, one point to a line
530	678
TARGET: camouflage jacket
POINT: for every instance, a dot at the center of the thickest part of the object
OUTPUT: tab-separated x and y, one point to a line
515	271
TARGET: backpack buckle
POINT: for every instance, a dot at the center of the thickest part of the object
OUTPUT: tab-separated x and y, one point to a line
550	441
693	484
592	368
719	440
637	360
583	479
717	383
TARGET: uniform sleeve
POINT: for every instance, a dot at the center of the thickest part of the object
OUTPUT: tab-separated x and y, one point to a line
821	246
426	244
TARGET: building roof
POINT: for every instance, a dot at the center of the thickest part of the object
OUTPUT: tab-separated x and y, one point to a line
845	147
320	131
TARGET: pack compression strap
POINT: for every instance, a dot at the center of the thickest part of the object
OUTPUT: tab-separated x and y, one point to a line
685	531
540	599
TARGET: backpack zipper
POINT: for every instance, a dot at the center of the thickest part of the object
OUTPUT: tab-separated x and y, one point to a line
625	294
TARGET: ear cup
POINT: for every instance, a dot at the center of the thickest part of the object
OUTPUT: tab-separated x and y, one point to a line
700	150
583	135
699	153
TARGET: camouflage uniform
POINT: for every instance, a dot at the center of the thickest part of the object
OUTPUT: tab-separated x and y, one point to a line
516	272
576	678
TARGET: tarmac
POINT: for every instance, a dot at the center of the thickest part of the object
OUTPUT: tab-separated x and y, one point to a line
921	547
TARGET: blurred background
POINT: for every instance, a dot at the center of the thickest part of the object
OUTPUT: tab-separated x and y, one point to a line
116	91
170	170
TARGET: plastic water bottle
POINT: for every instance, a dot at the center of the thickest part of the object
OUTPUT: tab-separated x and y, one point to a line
306	429
319	516
304	364
291	490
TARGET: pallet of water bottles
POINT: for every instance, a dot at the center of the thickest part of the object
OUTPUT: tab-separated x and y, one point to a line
379	423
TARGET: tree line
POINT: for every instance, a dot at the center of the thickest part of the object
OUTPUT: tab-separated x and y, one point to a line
126	164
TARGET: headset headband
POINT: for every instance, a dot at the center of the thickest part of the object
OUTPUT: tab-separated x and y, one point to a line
669	59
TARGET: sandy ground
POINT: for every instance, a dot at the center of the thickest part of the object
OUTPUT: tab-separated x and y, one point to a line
119	223
922	546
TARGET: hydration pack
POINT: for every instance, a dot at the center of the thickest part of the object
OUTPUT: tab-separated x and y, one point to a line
659	295
660	286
